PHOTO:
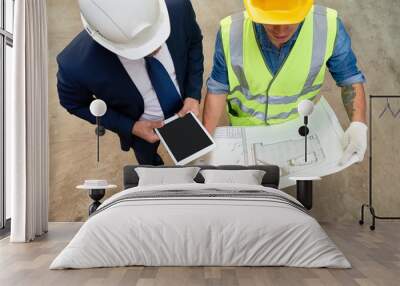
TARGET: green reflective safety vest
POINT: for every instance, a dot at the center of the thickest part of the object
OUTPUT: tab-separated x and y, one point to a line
256	97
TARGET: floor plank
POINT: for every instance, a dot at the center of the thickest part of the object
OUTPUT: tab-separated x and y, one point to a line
375	257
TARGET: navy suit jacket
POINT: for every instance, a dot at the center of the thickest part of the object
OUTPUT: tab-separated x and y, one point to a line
88	71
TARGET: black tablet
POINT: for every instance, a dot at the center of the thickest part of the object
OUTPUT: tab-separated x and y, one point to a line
185	138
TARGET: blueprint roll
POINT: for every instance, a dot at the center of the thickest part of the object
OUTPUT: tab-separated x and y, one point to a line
281	145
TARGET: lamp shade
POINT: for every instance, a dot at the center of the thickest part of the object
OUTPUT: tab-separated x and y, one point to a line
305	107
98	108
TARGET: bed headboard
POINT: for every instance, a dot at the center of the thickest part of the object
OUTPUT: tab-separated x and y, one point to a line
271	178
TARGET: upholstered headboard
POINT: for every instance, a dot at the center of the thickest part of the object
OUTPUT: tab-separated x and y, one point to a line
271	178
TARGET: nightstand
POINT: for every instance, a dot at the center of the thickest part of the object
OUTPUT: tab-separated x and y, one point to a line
305	190
97	190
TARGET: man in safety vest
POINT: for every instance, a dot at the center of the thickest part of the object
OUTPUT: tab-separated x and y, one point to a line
274	55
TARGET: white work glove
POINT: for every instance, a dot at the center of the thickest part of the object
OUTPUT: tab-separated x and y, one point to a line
354	142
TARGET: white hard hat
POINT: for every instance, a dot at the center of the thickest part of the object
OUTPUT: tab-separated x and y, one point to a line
132	29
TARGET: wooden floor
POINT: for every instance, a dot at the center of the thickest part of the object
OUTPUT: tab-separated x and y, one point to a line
375	257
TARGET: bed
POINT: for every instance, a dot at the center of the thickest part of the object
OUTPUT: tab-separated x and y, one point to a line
201	224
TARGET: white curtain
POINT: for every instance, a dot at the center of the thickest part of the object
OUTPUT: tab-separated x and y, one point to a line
27	123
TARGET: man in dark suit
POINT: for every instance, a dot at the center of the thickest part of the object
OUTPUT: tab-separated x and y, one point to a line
143	58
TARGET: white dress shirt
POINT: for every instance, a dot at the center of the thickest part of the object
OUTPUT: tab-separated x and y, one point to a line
138	73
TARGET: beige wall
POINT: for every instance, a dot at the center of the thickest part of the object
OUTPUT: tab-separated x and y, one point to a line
374	29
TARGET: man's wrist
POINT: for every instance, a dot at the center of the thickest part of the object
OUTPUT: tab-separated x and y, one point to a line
133	127
198	99
353	97
210	128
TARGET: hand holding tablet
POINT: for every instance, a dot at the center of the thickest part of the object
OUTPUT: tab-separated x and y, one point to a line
185	138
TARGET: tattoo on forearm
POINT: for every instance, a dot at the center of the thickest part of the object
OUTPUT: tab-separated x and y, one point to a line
348	96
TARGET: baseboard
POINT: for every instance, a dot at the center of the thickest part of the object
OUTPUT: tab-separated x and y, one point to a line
5	231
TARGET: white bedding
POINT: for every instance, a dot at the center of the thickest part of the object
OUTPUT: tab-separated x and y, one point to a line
200	231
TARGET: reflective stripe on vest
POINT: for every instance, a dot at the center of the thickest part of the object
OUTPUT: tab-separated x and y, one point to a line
256	96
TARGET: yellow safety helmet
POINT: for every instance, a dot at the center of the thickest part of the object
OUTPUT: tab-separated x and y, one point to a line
278	12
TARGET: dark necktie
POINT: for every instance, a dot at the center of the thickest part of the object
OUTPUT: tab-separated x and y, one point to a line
168	96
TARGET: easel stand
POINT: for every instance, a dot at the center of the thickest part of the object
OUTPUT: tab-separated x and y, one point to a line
370	202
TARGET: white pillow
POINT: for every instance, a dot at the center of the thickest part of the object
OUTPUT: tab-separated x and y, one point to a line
166	176
243	177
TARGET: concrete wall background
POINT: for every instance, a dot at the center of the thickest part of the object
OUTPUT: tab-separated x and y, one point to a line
374	29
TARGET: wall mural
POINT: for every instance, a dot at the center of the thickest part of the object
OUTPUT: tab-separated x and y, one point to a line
73	147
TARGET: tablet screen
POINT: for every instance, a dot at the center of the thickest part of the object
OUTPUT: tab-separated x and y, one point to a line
185	137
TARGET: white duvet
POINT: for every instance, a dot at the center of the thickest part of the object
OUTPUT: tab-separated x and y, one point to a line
206	231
